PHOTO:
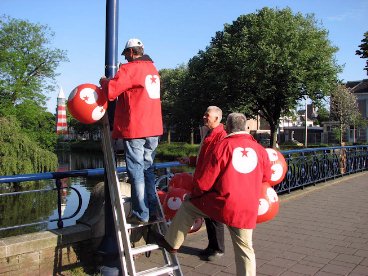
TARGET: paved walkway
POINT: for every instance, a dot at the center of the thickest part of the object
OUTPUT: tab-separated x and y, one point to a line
321	230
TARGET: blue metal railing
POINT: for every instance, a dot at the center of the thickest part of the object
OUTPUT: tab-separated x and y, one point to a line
305	167
58	176
314	165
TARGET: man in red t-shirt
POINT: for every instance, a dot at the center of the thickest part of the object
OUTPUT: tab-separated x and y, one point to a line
138	121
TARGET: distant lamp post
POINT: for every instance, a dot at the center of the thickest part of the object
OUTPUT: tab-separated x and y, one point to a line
306	125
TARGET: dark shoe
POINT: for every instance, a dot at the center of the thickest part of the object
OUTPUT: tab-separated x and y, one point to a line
215	256
206	252
154	218
134	220
161	242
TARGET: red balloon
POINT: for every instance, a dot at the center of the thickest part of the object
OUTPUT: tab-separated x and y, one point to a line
182	180
278	166
161	196
268	203
196	225
173	200
87	103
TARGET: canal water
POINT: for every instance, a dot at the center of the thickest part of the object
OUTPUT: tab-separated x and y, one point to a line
40	205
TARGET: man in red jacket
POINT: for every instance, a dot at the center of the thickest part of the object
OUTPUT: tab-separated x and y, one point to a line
214	133
138	121
227	191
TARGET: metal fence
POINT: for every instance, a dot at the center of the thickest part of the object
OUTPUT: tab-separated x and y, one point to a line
315	165
305	167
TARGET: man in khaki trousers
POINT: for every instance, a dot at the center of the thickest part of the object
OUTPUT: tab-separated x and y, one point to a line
227	191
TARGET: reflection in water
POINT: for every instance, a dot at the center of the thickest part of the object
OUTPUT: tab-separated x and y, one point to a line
42	206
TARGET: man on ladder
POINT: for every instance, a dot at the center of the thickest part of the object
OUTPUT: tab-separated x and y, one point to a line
138	121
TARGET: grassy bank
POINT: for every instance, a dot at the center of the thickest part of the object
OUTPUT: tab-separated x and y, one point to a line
174	150
164	150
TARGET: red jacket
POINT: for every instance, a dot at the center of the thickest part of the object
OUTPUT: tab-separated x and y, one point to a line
228	189
207	146
138	108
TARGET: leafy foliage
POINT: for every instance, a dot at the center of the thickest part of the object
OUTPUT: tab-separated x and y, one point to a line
363	52
19	154
27	70
344	108
263	63
26	63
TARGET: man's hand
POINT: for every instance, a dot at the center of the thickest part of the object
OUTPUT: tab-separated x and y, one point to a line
104	83
184	160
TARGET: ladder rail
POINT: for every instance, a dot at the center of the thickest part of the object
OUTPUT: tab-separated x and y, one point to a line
117	203
126	252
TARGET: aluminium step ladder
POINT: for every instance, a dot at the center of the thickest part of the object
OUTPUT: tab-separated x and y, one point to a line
126	252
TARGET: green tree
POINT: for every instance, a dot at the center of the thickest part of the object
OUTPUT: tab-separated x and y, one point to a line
27	71
363	52
19	154
265	63
27	63
172	85
323	115
344	109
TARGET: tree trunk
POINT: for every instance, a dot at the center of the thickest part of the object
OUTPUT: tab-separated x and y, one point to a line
169	136
192	137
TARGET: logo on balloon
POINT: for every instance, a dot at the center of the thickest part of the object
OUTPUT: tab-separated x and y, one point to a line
268	203
278	166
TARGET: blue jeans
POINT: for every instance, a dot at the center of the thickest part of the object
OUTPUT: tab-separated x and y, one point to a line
139	155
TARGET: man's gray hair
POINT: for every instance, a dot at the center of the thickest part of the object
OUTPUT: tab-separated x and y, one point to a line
217	110
235	122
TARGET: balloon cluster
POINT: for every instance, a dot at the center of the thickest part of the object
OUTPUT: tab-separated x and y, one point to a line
87	103
269	201
180	186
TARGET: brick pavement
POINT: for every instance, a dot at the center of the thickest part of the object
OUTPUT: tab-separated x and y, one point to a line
320	230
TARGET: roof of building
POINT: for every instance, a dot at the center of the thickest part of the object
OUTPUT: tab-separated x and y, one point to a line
358	86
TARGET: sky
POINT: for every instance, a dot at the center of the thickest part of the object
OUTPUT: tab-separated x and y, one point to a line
173	31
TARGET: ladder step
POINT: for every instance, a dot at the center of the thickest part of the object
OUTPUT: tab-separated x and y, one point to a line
144	248
130	226
158	270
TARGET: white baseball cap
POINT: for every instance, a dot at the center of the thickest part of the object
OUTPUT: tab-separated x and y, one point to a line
133	42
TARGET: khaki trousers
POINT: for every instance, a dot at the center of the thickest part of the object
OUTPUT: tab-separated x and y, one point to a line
242	238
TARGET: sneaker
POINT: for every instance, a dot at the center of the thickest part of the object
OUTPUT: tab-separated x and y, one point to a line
134	220
161	242
215	256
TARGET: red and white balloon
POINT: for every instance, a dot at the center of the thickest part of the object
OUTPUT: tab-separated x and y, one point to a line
196	225
278	166
268	203
87	103
182	180
174	199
